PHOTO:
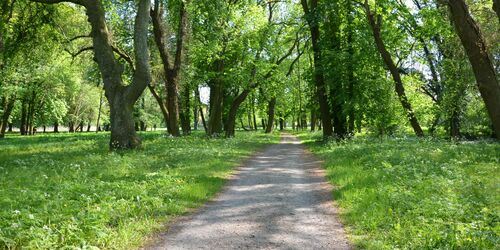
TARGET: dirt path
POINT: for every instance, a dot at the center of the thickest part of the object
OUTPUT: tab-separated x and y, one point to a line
278	200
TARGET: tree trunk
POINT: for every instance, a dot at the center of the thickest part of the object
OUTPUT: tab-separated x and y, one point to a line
185	111
270	115
313	120
475	48
496	8
162	105
10	126
56	127
203	120
455	124
7	110
263	124
350	70
216	101
23	126
196	108
88	127
319	80
123	133
253	114
172	71
233	110
375	26
282	123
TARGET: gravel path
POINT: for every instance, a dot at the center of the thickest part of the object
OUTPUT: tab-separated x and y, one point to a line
278	200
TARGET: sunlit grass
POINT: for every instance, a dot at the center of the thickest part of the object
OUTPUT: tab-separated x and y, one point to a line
68	191
415	194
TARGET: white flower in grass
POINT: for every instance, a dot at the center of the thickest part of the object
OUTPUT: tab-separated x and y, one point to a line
14	225
31	216
17	212
45	227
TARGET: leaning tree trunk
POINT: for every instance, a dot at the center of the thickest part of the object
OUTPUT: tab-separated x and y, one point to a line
482	65
162	106
386	56
270	115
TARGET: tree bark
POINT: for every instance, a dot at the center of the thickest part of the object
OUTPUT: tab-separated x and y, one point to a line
185	111
270	114
233	110
482	65
312	18
386	56
7	110
496	8
216	101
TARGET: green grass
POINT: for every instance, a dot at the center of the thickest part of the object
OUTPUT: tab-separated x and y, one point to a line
67	191
415	194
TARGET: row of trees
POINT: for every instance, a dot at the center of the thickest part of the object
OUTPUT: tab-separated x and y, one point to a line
332	65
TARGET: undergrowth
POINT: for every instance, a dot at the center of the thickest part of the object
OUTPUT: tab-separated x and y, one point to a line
408	193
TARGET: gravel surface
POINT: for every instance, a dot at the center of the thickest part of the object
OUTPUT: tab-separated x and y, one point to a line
278	200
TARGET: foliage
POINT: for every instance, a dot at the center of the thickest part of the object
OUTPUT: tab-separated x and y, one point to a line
405	193
66	191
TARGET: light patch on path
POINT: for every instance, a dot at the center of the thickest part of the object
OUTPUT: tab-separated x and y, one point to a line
278	200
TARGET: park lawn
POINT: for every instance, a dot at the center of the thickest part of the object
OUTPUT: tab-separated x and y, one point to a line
413	193
67	190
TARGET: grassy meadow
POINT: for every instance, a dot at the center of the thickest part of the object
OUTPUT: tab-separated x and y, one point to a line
415	194
66	191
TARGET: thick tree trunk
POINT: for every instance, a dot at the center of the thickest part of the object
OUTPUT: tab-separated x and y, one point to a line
271	107
313	22
231	118
56	127
7	110
282	123
173	106
123	133
375	26
482	65
216	101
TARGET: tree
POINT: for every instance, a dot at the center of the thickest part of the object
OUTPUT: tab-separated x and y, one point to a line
375	22
121	97
312	17
172	70
475	47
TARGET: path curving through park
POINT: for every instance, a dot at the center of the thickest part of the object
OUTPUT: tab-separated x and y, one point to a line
278	200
